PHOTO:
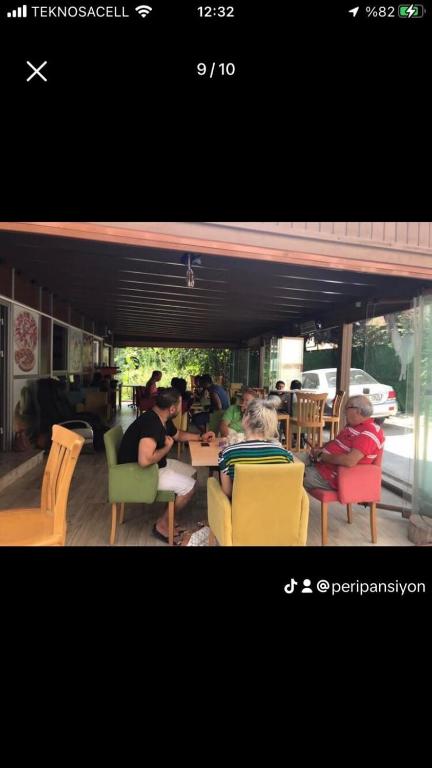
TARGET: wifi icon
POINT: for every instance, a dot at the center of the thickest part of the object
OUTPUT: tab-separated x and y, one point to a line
143	10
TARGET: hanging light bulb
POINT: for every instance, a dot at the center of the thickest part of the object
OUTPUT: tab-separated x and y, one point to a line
189	260
190	282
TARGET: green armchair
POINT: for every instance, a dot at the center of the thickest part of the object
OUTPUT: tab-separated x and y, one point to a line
132	484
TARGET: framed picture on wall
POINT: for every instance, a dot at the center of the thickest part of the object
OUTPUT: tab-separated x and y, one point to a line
105	355
87	359
75	351
25	341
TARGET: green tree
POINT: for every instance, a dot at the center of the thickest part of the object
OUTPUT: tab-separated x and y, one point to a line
137	363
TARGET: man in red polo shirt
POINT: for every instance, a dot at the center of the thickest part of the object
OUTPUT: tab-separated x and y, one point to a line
358	443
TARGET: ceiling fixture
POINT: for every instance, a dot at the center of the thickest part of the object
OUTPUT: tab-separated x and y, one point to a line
189	260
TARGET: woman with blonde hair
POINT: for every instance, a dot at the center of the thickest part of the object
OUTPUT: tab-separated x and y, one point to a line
260	446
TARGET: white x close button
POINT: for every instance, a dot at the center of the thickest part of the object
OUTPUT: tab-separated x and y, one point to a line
37	71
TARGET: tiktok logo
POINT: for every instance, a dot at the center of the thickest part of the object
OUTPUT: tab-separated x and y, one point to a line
289	588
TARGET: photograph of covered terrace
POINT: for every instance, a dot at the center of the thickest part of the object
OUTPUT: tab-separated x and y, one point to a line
320	312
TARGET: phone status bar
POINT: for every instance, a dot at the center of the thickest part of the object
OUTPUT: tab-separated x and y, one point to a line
408	11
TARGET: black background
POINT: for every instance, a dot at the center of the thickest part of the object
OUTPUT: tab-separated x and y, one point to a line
325	117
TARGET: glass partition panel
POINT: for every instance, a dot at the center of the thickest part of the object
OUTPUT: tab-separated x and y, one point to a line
383	351
239	366
254	366
273	361
266	364
320	360
422	477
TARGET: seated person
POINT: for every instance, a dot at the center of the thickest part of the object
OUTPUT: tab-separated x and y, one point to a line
146	396
292	407
187	397
149	439
219	401
151	386
261	444
276	400
288	399
280	386
231	425
357	443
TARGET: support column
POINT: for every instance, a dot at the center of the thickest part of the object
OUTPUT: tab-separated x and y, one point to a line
261	366
344	363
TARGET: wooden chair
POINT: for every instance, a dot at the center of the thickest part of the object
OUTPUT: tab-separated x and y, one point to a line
46	525
334	419
284	418
309	419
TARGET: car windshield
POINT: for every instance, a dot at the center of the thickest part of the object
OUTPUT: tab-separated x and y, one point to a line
357	377
361	377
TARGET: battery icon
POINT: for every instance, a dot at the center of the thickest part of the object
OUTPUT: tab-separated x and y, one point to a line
410	11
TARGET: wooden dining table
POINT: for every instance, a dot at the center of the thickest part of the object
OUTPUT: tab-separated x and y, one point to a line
205	455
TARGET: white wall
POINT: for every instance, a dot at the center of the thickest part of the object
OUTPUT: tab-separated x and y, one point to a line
290	359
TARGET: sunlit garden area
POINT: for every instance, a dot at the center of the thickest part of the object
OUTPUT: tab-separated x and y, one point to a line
136	364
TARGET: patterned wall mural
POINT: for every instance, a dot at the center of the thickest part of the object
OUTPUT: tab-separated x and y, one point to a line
75	351
26	341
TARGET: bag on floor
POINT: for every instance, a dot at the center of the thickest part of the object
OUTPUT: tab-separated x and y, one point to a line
196	537
21	441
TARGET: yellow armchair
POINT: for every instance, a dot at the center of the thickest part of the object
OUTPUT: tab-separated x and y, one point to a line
269	507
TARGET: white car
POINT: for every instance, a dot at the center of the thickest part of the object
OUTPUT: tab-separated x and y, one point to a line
383	397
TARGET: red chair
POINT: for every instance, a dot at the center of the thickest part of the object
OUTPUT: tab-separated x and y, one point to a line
356	485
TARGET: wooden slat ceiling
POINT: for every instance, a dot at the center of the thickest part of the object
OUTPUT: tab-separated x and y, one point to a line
141	293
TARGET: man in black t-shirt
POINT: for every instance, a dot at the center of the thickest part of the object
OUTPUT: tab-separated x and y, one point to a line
149	439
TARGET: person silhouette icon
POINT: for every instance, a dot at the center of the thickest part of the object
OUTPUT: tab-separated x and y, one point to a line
307	590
